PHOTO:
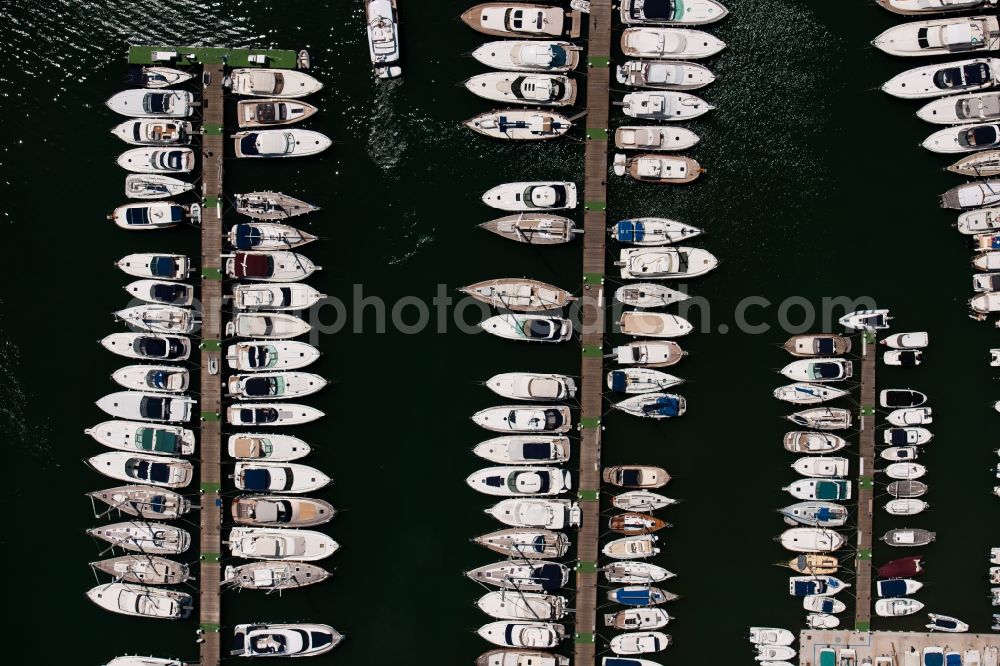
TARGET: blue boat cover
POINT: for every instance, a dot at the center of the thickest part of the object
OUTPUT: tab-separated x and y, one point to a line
826	606
549	576
953	659
664	406
618	661
618	381
157	504
933	659
508	634
248	144
825	514
557	56
168	293
628	231
825	345
163	267
995	243
631	477
538	544
892	588
803	588
536	451
256	479
247	237
897	436
829	490
908	359
159	472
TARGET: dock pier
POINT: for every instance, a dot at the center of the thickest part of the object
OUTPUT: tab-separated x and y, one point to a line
866	486
592	322
893	645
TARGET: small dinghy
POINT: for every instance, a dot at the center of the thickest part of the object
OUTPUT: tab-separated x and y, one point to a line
270	448
291	296
264	236
631	547
637	618
520	125
271	112
947	624
154	132
640	380
284	355
905	470
635	572
529	328
665	263
906	436
684	44
532	195
268	543
817	345
524	56
944	36
689	12
273	414
822	418
810	540
821	586
904	567
157	266
142	601
524	449
866	320
157	160
278	477
271	206
649	353
528	418
640	596
965	139
639	642
640	500
158	77
976	194
979	221
905	507
646	138
908	538
160	440
520	481
144	569
533	229
520	88
522	19
770	636
664	74
519	294
144	501
897	607
520	543
915	416
902	357
802	393
523	634
944	79
154	186
640	323
281	511
522	576
897	587
907	489
272	576
523	606
820	489
532	386
266	326
281	83
822	621
819	370
654	405
159	471
772	653
918	7
283	640
554	514
273	385
816	513
653	168
143	537
666	105
803	441
901	398
635	476
140	406
144	103
158	318
900	453
276	143
824	605
648	295
161	292
814	564
652	231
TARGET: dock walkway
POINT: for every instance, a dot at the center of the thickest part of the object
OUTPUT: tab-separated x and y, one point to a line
866	471
592	321
892	644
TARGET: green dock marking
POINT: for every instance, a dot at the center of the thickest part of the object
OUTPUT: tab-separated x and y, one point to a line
867	411
586	567
210	345
211	273
862	626
590	422
209	202
593	278
591	351
584	639
209	487
864	554
588	495
201	55
598	61
597	133
213	628
865	482
212	129
211	557
210	416
595	205
870	337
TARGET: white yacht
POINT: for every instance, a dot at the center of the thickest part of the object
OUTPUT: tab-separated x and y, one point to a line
161	77
680	43
640	380
811	540
524	418
273	266
824	467
632	572
532	386
897	607
274	477
649	353
145	103
805	441
944	36
143	377
263	236
905	507
646	324
987	261
533	229
270	575
154	132
553	514
156	266
654	405
142	406
519	294
280	83
985	303
159	471
921	7
521	481
665	105
271	112
866	320
284	640
653	137
523	19
524	449
157	160
914	416
964	139
267	448
273	385
148	347
505	605
664	74
524	88
631	547
532	576
905	470
532	196
523	634
654	168
979	221
154	186
672	12
640	500
276	355
270	414
142	601
141	437
665	263
914	340
770	636
530	328
652	231
819	370
820	489
529	56
257	543
957	109
382	26
279	143
639	642
648	295
144	537
520	124
157	318
944	79
275	297
802	393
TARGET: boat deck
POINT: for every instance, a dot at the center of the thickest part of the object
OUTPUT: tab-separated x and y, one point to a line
200	55
896	644
592	319
866	490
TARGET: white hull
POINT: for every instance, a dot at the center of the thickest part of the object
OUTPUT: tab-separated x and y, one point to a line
532	386
164	77
523	606
148	347
639	642
521	88
523	634
142	103
648	295
280	83
652	231
808	394
275	477
157	266
529	328
256	543
905	507
690	12
266	236
167	378
154	186
267	326
824	605
665	263
963	139
145	406
640	380
975	107
904	471
382	29
274	385
524	449
279	143
640	500
143	537
284	297
518	125
631	547
914	416
811	540
553	514
680	43
669	106
770	636
157	160
664	74
266	448
634	573
640	323
142	601
813	442
907	436
822	489
821	467
278	355
520	481
944	79
154	132
150	470
819	370
532	196
524	419
649	353
897	607
917	340
529	56
159	318
944	36
654	405
142	437
273	414
652	138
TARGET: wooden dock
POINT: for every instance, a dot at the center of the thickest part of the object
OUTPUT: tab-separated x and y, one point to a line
210	447
866	472
895	645
592	322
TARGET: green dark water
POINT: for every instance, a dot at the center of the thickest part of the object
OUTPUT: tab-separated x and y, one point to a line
816	188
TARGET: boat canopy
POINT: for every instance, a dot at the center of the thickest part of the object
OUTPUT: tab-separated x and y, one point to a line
830	490
828	657
892	588
155	439
619	380
662	406
256	479
163	266
825	346
247	236
169	293
933	658
254	265
665	10
264	386
629	231
536	451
